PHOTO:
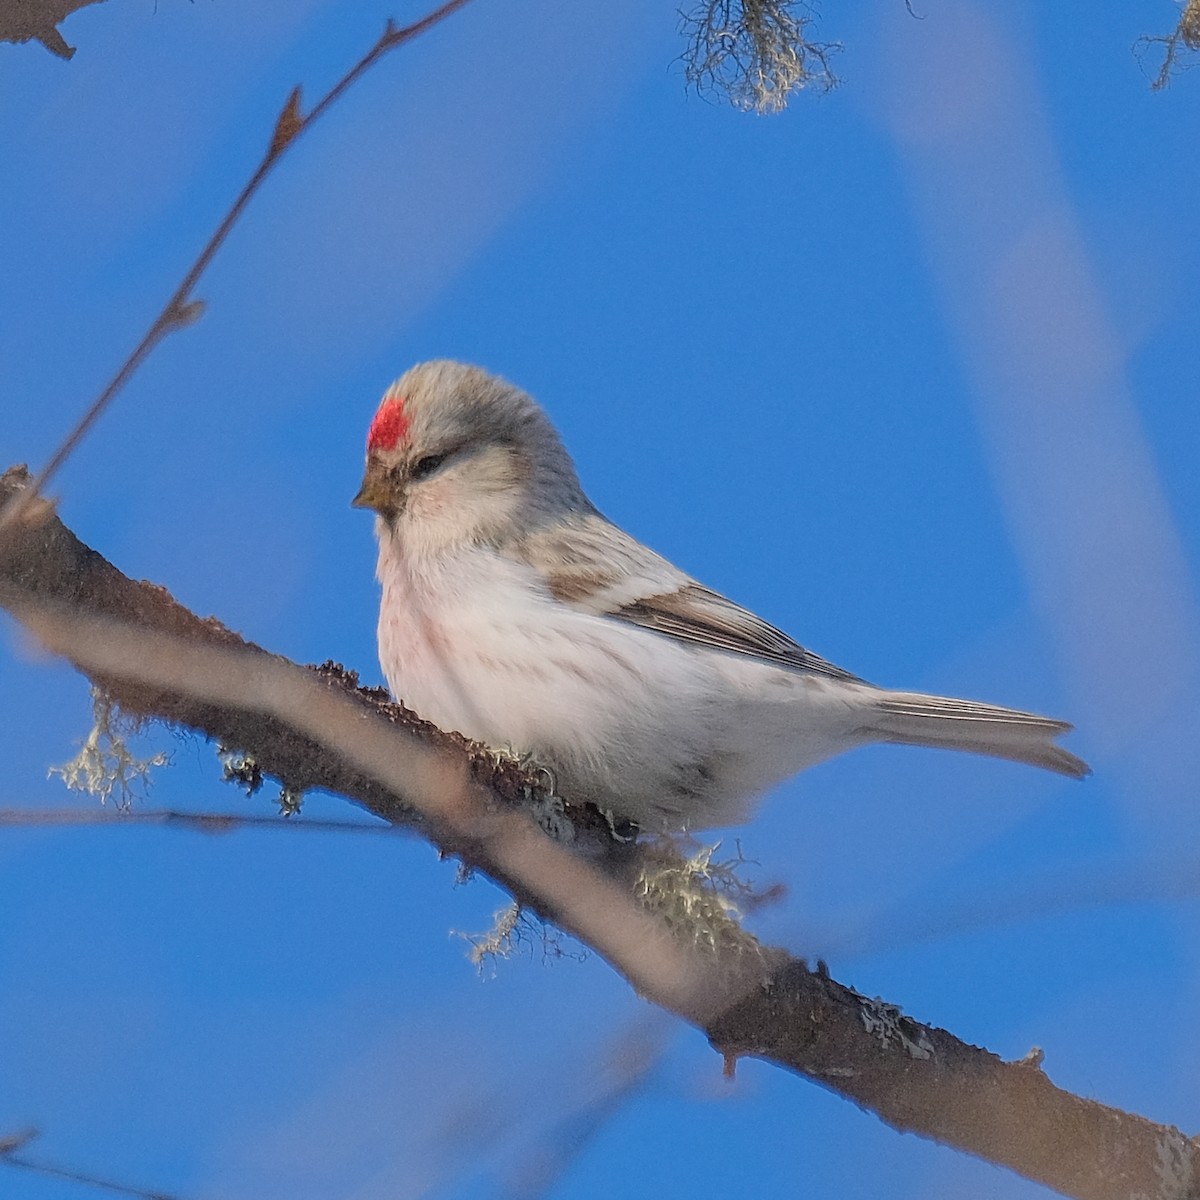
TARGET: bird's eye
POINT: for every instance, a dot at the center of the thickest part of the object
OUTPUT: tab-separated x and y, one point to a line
424	467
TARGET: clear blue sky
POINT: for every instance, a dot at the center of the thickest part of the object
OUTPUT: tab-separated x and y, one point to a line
909	369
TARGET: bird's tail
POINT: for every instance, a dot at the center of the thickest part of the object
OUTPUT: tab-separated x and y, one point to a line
913	719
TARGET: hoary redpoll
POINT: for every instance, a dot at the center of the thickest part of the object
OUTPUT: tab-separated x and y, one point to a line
514	613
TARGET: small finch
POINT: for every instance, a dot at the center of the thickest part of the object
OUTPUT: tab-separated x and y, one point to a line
514	613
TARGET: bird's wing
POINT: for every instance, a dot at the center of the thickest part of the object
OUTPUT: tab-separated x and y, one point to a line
590	564
693	613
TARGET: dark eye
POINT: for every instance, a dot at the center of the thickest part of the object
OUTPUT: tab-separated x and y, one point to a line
424	467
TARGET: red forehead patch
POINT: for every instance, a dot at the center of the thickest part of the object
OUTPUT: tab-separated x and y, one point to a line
390	426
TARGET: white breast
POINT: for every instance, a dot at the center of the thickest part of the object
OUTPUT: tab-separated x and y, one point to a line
668	734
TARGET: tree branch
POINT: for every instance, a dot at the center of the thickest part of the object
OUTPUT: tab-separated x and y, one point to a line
314	729
38	20
11	1144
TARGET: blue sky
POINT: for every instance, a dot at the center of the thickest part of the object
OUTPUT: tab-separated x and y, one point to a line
907	369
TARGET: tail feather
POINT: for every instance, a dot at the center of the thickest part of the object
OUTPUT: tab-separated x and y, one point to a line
913	719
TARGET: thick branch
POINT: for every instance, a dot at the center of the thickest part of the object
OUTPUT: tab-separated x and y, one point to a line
158	659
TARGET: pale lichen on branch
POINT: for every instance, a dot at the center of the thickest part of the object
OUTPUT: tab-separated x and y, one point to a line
105	766
757	52
698	898
1184	38
513	928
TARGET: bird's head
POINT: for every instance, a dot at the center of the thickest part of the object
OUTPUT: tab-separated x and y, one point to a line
455	456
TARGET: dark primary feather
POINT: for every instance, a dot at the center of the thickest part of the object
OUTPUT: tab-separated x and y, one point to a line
696	614
967	712
591	564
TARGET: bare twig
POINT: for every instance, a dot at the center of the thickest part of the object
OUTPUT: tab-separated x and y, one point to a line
550	1129
626	1072
182	309
1099	885
12	1142
1186	36
1157	881
10	1158
206	822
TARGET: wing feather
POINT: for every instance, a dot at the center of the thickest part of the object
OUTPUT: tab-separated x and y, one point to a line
696	614
590	564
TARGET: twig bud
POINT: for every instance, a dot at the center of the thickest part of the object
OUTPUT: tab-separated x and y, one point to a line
289	123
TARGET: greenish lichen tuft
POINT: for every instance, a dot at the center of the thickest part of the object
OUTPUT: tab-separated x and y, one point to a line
755	52
514	928
699	899
1185	38
241	769
105	766
291	800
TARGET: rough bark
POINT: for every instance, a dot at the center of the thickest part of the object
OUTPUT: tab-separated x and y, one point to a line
38	20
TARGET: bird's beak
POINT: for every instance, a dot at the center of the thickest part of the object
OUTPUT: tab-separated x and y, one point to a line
376	491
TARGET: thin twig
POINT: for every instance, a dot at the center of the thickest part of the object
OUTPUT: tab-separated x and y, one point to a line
1155	881
11	1142
41	818
631	1064
1186	36
182	309
9	1145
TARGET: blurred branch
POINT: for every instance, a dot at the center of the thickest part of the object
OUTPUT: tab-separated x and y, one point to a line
756	52
182	309
318	730
624	1074
38	20
9	1157
1096	885
531	1140
1185	37
200	822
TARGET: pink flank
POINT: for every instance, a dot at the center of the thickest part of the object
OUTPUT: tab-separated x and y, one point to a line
390	425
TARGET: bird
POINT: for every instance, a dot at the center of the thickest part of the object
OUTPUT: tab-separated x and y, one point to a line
514	613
